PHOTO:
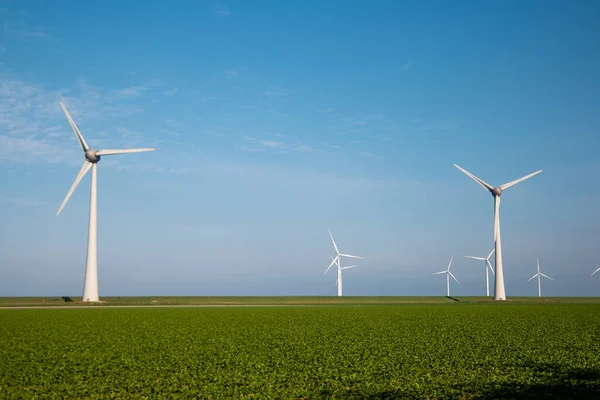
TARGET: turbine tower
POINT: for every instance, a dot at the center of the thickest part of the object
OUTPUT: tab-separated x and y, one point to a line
448	275
488	268
499	293
90	287
539	276
337	262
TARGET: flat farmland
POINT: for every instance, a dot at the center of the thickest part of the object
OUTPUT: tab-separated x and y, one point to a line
455	350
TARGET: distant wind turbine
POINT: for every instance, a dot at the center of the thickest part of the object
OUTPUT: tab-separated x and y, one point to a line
595	272
337	261
499	293
539	275
90	288
448	275
488	268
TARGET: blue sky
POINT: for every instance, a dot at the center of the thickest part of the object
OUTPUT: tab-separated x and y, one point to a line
275	121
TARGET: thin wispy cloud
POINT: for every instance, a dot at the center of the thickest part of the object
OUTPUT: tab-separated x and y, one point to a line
24	202
231	73
276	92
222	10
304	149
271	144
370	155
33	128
170	92
138	90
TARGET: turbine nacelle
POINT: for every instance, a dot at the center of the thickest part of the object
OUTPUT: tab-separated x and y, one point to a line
496	191
92	156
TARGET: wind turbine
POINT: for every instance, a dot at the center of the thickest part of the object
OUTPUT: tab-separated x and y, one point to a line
90	288
539	275
487	265
595	272
337	261
448	275
499	293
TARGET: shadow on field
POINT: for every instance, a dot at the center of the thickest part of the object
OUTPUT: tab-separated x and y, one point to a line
453	298
558	382
554	382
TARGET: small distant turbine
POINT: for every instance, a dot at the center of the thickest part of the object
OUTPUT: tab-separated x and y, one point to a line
539	275
499	293
90	287
595	272
337	262
488	267
448	275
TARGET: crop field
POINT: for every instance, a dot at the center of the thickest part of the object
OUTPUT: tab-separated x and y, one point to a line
421	351
274	300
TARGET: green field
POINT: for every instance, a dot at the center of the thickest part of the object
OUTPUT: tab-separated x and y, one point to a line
458	350
264	300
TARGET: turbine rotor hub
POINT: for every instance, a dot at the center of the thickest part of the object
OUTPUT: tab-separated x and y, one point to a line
90	155
496	191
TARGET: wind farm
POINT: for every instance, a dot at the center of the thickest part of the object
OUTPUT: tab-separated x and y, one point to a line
273	190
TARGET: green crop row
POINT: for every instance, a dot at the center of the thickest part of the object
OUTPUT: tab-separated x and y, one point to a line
471	351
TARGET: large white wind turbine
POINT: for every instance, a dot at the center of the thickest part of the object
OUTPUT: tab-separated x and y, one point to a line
488	267
539	276
595	272
499	293
90	288
337	262
448	275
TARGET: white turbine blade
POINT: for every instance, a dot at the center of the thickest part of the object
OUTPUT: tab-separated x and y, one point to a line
351	266
476	258
476	179
491	252
124	151
334	245
348	255
453	277
538	264
77	133
330	265
490	267
441	272
450	263
532	277
546	276
84	169
509	184
595	271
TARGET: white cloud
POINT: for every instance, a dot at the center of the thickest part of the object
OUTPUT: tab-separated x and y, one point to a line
271	144
231	73
222	10
304	148
370	155
276	92
24	202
